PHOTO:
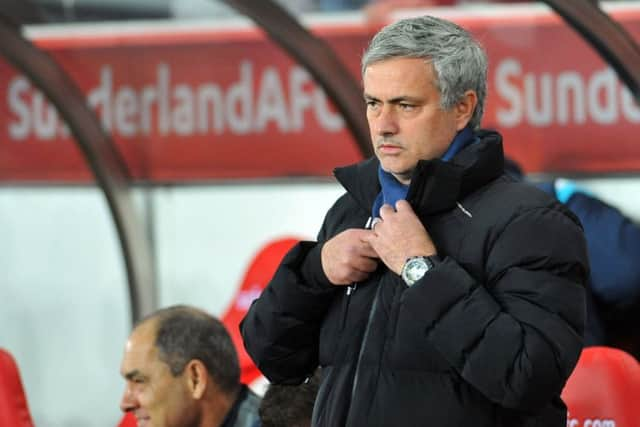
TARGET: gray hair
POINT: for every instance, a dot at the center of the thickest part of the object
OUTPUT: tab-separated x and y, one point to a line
460	63
185	333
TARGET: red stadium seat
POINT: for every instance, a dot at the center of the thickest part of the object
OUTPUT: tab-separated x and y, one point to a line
14	410
603	390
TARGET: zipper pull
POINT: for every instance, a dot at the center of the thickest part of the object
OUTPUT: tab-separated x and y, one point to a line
351	289
369	223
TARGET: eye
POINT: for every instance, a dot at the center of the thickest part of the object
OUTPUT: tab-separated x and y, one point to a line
371	104
406	107
139	380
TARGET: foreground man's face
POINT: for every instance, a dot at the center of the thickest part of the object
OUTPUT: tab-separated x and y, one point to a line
152	393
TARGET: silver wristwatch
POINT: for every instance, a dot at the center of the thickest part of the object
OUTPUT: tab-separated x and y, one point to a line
415	268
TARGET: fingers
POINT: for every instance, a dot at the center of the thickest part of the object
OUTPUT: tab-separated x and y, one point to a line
365	265
369	239
356	276
385	211
357	270
364	247
348	257
403	206
368	251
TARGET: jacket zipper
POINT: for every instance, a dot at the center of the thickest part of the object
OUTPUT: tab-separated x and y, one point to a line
366	330
365	338
345	307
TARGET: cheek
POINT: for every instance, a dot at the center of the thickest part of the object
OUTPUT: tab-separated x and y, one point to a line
155	400
148	399
180	407
419	137
429	140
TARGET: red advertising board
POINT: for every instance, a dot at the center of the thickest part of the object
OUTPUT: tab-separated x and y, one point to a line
198	103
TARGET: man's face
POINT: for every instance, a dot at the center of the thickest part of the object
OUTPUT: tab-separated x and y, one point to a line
406	121
152	393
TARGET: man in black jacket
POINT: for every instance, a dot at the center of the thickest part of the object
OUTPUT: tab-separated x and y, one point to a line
440	291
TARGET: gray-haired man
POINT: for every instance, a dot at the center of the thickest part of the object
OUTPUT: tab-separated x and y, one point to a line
464	304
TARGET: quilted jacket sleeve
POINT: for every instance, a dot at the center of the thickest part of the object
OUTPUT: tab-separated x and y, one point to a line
281	328
516	337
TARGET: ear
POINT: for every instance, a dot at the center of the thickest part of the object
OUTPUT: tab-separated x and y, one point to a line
464	108
197	378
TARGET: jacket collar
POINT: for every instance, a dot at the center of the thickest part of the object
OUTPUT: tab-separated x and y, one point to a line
436	185
232	415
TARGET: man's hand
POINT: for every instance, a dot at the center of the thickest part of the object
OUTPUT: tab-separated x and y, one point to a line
348	258
400	235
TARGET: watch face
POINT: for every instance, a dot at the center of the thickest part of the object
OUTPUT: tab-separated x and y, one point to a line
414	269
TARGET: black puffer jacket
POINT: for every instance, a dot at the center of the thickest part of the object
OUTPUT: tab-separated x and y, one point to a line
485	339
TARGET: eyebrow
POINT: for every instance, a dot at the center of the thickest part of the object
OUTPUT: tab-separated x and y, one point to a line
133	374
396	100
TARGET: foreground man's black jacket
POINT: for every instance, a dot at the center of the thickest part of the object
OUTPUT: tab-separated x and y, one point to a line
485	339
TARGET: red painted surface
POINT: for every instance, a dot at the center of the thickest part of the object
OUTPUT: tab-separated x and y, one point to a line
186	104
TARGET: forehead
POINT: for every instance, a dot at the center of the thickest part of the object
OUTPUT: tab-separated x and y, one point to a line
140	351
399	75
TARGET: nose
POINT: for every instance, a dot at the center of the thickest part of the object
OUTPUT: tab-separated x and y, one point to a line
385	122
128	402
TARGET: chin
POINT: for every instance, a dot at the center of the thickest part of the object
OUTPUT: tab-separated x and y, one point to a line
392	168
398	172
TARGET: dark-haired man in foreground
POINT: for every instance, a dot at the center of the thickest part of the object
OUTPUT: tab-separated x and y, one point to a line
181	370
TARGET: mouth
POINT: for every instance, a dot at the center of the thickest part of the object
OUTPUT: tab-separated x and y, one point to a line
389	148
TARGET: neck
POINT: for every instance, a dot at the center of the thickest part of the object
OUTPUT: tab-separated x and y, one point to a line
217	407
403	179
